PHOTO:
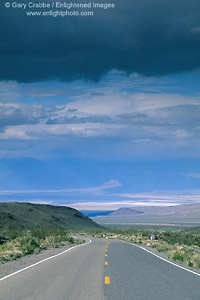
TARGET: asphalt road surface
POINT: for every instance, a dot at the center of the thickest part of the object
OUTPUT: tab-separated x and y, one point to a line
102	270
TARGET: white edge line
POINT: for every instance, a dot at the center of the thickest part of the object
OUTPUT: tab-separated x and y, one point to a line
43	260
198	274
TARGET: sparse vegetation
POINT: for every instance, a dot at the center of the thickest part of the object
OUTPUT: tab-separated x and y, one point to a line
27	228
15	244
180	246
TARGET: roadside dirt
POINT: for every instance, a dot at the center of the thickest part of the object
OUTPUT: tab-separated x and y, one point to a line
13	266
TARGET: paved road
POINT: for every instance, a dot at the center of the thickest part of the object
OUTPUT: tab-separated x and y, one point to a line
81	273
77	274
138	275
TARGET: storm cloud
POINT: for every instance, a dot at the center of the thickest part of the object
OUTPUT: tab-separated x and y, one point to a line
151	38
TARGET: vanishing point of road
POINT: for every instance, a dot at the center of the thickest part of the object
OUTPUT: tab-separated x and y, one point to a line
102	270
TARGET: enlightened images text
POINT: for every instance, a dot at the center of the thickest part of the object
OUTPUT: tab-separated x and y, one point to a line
67	5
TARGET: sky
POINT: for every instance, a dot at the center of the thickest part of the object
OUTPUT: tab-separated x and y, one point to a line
101	112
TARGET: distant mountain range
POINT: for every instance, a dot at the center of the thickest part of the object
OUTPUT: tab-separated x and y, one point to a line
27	216
189	210
125	211
187	214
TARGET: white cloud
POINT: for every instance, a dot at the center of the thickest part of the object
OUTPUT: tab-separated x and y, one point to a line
194	175
9	90
115	205
87	190
44	131
155	198
19	114
116	103
41	202
15	133
128	121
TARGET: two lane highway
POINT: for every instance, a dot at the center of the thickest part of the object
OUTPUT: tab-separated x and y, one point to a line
138	275
101	270
77	274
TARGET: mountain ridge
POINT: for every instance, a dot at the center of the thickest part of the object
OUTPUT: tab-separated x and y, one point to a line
182	209
20	215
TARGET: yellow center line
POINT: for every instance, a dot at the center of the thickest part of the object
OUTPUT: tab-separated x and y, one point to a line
106	263
106	250
107	280
106	255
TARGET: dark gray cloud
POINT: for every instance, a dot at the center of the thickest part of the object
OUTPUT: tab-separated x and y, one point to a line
150	37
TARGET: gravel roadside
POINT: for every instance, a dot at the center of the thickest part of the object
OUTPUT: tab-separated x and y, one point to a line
15	265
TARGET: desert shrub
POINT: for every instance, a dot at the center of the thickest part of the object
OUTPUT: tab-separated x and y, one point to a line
27	249
70	239
190	263
177	256
197	262
31	241
161	249
181	238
